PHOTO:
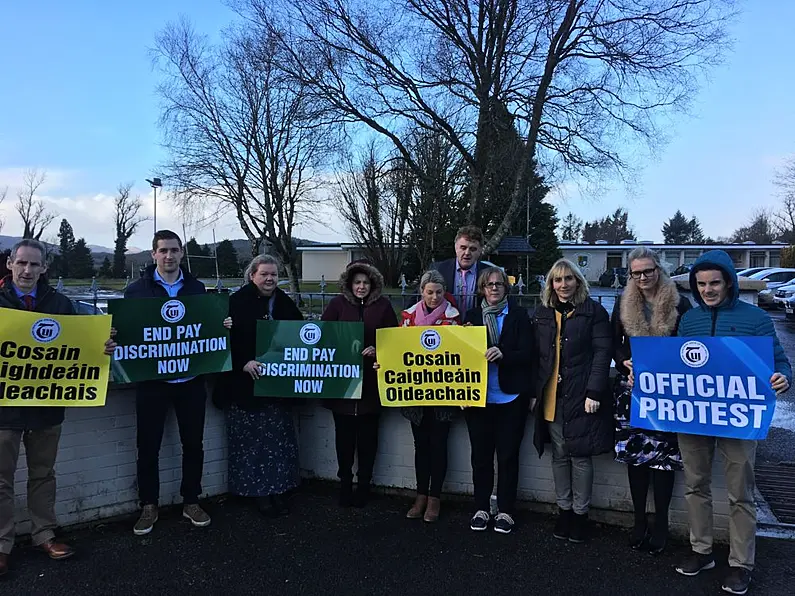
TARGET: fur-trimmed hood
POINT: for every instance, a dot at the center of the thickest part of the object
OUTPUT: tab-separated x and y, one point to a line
664	310
376	282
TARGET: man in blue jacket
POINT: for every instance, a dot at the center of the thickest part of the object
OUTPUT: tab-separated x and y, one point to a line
166	278
720	312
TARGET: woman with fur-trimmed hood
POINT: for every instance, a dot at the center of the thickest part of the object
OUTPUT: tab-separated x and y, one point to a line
650	306
356	420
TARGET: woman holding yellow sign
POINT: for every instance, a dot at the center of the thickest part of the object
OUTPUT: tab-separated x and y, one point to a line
500	425
430	425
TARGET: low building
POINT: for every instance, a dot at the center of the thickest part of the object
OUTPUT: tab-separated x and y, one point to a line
327	260
595	259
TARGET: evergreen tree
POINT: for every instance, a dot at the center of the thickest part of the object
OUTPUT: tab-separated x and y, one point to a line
197	256
613	229
542	237
81	263
680	230
571	228
228	262
66	245
106	270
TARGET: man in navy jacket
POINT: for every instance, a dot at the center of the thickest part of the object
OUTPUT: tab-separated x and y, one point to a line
461	273
166	278
720	312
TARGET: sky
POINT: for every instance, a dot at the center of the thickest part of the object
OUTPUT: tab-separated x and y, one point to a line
79	101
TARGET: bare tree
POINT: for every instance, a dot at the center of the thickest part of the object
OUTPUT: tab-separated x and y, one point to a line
3	193
759	229
784	218
35	216
577	76
127	219
242	137
373	198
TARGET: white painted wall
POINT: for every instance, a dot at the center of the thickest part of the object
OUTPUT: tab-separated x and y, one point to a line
330	263
97	479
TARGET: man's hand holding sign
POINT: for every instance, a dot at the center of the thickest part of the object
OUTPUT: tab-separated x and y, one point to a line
714	386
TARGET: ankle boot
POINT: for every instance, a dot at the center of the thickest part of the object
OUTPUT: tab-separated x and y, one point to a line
432	512
418	508
659	537
362	494
346	492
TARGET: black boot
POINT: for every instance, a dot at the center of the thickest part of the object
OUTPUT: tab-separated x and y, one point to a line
346	492
659	537
639	535
579	528
563	525
362	493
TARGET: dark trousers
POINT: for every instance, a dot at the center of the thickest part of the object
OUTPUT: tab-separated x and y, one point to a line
663	480
153	400
500	428
356	434
430	453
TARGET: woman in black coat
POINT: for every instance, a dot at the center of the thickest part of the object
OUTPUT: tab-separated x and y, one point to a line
499	427
573	341
263	450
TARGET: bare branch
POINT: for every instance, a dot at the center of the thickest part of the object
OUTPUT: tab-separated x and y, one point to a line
35	216
578	77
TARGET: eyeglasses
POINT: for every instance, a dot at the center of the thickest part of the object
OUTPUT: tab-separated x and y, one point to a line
495	284
647	273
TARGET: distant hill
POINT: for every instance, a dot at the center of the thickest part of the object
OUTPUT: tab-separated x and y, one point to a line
134	261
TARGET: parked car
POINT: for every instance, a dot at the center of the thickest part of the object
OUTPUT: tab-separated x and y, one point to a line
774	281
782	294
682	269
789	308
608	278
773	274
752	270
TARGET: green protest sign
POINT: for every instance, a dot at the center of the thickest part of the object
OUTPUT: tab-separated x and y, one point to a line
170	338
310	359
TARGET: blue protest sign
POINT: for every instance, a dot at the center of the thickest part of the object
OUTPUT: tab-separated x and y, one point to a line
713	386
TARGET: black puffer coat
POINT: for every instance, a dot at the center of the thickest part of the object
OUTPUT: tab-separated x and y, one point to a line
585	372
50	302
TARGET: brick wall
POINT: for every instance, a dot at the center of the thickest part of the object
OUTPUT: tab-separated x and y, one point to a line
96	464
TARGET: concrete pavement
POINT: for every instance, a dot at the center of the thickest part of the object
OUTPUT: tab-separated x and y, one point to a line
322	549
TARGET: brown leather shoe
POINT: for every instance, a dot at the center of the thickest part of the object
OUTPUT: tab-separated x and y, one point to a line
432	512
3	564
418	508
57	550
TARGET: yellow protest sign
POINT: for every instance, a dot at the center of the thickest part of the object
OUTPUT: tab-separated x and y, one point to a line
432	366
53	360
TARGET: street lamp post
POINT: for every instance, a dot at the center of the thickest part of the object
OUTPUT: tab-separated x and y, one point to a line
155	183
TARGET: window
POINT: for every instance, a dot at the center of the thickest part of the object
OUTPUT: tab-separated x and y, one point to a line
672	258
781	276
757	258
691	256
775	259
614	260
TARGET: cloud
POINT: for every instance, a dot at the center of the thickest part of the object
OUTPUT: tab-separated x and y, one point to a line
92	216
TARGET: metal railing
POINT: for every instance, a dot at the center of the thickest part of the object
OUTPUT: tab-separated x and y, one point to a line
312	304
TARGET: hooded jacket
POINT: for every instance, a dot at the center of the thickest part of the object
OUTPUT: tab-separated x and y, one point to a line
732	317
50	302
376	312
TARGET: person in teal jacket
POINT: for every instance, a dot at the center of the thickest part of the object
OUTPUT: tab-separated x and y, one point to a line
720	312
